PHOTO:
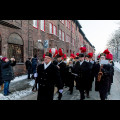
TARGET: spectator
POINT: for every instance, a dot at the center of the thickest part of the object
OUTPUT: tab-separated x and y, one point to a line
7	73
29	67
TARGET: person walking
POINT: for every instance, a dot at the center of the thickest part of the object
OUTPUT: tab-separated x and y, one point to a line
70	77
48	77
105	69
81	69
7	73
28	67
1	81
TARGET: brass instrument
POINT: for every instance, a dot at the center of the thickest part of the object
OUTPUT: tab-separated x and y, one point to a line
100	74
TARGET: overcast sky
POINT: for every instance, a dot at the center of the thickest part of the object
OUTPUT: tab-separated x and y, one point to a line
99	31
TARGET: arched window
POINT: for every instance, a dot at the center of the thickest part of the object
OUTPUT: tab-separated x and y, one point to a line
0	45
15	47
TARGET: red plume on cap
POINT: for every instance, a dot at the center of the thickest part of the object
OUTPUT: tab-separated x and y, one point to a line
106	51
109	56
72	56
98	56
50	51
56	52
90	55
60	52
64	56
83	49
77	54
43	55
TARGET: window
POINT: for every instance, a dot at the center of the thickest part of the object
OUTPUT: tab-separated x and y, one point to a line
35	23
16	51
50	28
67	38
60	34
54	30
15	47
42	25
63	36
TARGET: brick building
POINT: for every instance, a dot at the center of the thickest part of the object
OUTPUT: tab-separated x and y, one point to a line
24	38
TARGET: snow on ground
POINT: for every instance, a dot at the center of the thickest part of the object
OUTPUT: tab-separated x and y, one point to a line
117	66
16	95
19	78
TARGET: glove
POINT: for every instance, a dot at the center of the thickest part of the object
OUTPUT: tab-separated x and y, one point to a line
61	90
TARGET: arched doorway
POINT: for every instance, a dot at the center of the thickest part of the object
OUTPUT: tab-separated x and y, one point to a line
15	47
38	50
0	45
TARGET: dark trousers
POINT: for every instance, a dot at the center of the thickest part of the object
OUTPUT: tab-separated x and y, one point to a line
82	96
6	87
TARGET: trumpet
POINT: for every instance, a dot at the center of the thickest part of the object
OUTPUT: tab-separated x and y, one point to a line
100	74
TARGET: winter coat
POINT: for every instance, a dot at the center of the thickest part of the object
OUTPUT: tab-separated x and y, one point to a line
7	70
104	82
69	76
1	81
34	64
47	79
28	66
62	70
82	71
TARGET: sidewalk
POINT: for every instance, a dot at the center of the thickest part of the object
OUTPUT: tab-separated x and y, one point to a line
19	87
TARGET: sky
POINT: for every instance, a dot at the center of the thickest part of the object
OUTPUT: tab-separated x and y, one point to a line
98	32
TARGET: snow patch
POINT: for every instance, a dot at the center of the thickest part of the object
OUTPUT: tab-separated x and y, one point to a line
16	95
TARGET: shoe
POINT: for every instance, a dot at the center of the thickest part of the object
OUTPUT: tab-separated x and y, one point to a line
71	92
5	94
9	92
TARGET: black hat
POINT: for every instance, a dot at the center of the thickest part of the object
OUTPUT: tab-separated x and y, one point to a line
81	55
87	56
77	57
58	56
48	54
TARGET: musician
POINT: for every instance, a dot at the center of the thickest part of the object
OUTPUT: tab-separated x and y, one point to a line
89	74
70	77
105	77
81	68
48	77
62	68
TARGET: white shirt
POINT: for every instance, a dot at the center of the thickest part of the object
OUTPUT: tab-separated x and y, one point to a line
81	62
45	66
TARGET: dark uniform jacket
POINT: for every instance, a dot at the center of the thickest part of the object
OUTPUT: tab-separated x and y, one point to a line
104	82
69	76
82	71
62	70
7	70
47	79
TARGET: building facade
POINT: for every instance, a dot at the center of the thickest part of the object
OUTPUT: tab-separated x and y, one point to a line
25	38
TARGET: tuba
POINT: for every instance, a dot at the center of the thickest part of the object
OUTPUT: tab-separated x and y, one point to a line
100	74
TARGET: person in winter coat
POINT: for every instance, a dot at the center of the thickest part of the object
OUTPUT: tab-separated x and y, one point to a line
29	67
48	77
70	77
1	81
34	64
7	73
105	79
81	69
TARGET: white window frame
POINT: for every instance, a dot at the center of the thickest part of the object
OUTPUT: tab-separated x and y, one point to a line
35	23
42	25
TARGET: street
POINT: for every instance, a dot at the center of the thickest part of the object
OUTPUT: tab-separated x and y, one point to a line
115	94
